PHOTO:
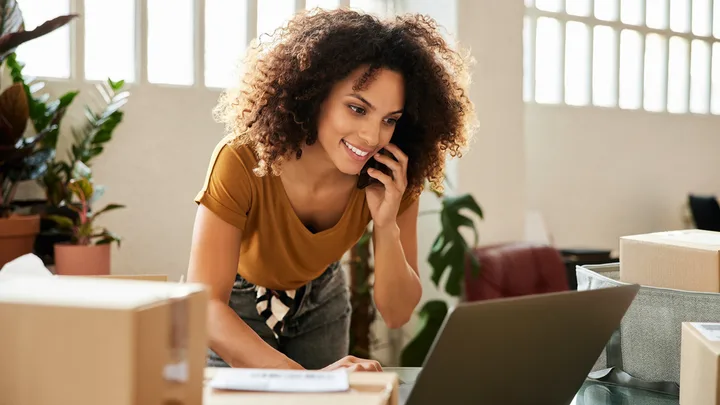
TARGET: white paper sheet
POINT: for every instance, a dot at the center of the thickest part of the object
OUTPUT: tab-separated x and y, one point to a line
280	380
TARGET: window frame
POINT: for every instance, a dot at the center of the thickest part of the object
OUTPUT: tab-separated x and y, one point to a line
77	42
532	14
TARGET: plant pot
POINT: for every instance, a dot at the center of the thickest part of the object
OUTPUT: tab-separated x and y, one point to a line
17	236
82	260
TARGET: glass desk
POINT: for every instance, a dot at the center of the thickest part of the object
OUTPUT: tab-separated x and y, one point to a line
591	393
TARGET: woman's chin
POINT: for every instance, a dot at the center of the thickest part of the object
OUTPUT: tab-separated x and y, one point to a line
350	171
348	166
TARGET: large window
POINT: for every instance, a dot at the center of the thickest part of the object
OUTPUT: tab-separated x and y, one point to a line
654	55
162	42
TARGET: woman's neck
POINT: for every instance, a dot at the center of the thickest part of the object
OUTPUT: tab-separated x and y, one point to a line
314	169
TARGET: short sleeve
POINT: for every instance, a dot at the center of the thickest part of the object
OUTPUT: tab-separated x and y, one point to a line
227	190
408	199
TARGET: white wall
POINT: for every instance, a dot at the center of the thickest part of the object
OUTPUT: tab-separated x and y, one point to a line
598	174
494	169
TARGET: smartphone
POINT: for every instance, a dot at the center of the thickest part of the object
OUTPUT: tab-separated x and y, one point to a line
365	179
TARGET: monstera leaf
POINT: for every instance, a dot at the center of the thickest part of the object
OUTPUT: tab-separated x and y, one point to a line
450	250
12	27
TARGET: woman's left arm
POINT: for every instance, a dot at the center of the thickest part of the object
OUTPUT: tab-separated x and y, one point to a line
397	288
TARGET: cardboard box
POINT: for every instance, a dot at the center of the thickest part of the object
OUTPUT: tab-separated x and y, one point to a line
700	364
684	260
366	388
89	341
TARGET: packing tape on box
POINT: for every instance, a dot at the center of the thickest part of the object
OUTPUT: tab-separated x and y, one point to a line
177	369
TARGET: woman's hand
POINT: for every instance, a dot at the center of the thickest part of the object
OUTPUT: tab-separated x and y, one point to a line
384	199
352	363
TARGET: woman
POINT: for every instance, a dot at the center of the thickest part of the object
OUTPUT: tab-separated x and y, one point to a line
287	193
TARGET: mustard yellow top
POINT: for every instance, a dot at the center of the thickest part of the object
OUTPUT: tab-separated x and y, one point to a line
277	250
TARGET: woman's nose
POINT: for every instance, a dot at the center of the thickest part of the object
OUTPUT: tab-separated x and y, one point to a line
370	134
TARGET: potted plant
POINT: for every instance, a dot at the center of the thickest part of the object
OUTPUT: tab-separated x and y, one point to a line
19	161
89	141
21	157
88	251
88	138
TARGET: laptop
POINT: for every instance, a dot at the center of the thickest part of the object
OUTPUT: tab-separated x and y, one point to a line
535	349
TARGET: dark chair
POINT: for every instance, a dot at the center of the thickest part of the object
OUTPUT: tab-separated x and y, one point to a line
705	212
515	269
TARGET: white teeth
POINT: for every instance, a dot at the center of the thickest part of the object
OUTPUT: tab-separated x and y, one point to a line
355	150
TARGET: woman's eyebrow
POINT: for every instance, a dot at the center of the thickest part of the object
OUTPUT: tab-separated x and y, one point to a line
372	107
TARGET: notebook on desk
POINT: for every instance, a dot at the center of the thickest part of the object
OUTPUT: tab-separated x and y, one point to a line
526	350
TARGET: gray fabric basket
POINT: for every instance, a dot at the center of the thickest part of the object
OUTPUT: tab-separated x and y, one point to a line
645	351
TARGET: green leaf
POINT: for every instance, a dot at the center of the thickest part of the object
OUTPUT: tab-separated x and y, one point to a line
98	129
82	188
455	221
107	237
437	258
102	137
116	85
463	201
454	283
365	238
94	151
63	222
450	251
67	98
107	208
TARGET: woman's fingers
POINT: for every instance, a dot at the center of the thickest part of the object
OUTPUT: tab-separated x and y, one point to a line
386	180
352	363
391	163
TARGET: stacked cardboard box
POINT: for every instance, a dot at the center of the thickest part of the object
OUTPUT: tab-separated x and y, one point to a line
682	260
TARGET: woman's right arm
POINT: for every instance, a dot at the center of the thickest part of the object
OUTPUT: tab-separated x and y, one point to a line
213	262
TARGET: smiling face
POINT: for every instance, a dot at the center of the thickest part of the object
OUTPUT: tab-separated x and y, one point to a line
353	124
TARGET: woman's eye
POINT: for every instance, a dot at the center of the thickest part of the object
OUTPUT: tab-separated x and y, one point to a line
391	121
357	110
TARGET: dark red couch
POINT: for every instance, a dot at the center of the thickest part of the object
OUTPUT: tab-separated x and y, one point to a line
515	269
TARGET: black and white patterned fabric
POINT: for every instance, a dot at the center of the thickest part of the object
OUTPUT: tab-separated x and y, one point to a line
274	305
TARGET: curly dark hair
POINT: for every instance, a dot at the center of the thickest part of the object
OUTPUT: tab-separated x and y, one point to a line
287	76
